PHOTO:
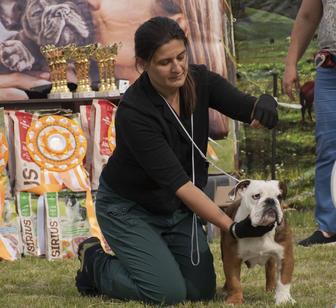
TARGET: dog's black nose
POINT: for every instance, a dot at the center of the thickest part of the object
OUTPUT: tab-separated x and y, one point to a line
269	202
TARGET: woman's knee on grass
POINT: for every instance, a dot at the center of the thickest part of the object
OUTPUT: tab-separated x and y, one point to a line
168	292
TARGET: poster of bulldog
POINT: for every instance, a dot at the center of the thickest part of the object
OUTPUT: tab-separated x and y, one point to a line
25	25
263	202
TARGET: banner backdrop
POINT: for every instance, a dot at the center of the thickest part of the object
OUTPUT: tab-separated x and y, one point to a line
26	25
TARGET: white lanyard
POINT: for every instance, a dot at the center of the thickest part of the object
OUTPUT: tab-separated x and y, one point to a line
194	226
194	233
195	145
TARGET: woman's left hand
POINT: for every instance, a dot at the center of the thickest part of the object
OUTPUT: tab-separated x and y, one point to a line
265	112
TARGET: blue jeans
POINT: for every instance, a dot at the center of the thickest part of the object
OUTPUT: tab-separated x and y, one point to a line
325	110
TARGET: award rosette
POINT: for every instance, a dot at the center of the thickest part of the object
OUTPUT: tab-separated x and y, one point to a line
58	145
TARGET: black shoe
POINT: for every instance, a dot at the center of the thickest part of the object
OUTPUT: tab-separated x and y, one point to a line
87	251
317	238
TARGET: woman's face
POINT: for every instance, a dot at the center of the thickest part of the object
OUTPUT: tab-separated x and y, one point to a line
116	21
168	67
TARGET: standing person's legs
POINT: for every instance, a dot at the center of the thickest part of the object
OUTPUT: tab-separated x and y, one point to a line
325	110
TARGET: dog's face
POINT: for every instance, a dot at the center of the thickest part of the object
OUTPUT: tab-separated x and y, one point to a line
54	22
261	200
71	201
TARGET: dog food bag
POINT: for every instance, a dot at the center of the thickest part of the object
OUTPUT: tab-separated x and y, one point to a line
102	125
9	130
10	233
31	214
95	229
4	156
27	172
9	227
85	117
66	223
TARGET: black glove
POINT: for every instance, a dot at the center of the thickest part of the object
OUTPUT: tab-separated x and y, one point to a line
244	228
265	111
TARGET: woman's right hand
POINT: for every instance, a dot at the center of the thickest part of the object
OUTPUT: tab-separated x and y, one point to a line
244	229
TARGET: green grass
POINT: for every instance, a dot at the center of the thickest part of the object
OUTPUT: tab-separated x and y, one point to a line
34	282
265	25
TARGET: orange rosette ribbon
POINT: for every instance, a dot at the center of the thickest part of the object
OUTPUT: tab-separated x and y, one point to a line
58	146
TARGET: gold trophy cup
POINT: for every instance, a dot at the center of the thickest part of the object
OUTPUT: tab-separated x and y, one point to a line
81	57
57	59
105	57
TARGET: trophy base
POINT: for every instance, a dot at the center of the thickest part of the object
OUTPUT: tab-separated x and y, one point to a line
61	95
87	94
110	93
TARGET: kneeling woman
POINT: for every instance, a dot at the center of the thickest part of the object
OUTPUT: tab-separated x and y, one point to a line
152	184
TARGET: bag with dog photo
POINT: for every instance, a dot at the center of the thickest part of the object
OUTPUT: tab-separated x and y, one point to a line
66	223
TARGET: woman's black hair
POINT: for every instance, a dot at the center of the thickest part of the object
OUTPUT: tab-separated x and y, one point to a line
154	33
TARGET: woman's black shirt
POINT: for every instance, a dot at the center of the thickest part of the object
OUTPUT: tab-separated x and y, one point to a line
152	158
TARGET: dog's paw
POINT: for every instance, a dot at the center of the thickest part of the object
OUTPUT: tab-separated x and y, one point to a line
282	294
236	299
284	298
16	56
288	300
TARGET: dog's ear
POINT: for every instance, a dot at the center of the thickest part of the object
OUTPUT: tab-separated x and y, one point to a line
283	189
239	187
